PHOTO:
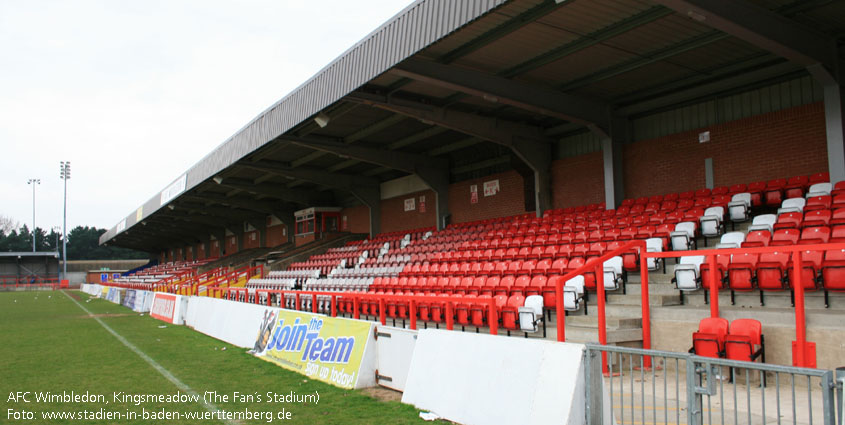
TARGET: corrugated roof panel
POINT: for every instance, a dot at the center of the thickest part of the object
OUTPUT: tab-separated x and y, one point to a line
725	51
521	45
584	17
427	90
829	18
576	65
640	78
478	28
657	34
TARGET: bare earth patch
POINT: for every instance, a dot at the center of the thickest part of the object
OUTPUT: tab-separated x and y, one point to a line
382	393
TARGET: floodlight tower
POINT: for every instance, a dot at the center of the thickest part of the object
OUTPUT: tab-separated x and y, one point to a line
64	174
33	182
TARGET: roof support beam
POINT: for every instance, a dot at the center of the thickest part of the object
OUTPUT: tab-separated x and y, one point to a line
588	112
765	29
352	138
433	171
593	38
365	189
247	204
296	196
614	184
528	143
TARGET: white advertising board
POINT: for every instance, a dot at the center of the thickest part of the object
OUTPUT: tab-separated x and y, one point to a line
476	379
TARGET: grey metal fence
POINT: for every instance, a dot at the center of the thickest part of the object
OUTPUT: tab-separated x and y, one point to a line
683	388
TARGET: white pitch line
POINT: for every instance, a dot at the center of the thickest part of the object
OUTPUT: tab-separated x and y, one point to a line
159	368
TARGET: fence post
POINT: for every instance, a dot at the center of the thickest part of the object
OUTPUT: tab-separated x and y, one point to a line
450	323
693	397
314	302
381	313
645	306
595	389
602	321
412	311
559	312
714	288
493	318
799	350
334	305
355	307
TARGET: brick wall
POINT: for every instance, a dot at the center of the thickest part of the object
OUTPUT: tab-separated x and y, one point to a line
304	239
509	201
200	251
231	245
252	240
357	219
773	145
215	248
276	235
578	180
778	144
395	218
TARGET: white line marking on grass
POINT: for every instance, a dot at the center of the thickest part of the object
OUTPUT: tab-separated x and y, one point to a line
159	368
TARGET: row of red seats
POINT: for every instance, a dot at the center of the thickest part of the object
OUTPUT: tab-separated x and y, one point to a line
741	340
472	311
821	217
773	272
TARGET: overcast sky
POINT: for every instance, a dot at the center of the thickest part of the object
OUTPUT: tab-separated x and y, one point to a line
135	93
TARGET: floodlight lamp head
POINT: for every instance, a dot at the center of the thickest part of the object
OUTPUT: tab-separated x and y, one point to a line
218	179
322	119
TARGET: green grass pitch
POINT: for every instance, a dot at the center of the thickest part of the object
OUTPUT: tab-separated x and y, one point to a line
49	344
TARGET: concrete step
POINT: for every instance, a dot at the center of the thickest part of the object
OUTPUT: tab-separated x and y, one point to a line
586	334
773	299
654	288
579	319
653	300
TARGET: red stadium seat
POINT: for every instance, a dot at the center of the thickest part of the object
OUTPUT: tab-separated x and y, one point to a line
756	190
510	312
796	186
785	237
737	188
814	235
811	262
791	220
701	193
817	218
757	238
833	271
709	341
819	178
773	194
741	272
744	342
721	190
838	189
771	271
823	202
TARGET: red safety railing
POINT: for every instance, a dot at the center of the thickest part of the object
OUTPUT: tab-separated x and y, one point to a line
226	279
596	265
804	352
412	301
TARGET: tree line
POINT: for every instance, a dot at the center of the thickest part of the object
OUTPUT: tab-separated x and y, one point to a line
83	242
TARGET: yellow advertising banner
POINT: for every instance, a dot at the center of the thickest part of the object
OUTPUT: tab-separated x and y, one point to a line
323	348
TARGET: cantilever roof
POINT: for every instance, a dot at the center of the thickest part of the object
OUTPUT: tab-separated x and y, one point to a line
638	58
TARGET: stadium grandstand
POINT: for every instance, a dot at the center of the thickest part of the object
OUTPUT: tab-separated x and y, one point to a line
661	174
